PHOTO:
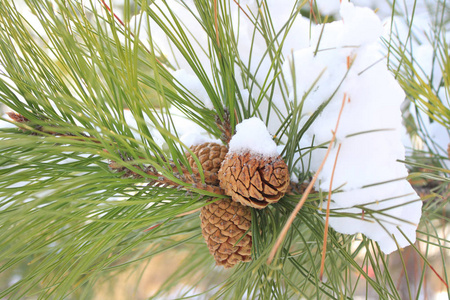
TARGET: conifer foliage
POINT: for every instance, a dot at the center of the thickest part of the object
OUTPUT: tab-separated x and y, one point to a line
194	127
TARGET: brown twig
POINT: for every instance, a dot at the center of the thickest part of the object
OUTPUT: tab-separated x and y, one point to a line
225	126
325	234
188	212
20	119
448	150
115	16
296	188
17	117
240	7
311	10
190	181
177	216
307	191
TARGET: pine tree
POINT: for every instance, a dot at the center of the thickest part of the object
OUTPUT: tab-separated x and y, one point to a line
95	178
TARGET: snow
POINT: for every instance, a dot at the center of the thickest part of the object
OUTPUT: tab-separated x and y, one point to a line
438	135
252	136
192	84
420	40
383	7
189	132
361	25
193	138
367	173
151	32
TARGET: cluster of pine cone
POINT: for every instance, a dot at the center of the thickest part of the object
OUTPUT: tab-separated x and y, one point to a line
251	181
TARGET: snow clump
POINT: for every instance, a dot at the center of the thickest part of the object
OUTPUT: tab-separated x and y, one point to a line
345	62
252	136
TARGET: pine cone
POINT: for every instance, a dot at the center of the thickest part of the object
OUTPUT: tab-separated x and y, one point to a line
210	156
254	180
224	223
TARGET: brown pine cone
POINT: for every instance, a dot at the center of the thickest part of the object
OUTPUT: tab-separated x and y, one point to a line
224	223
254	180
210	156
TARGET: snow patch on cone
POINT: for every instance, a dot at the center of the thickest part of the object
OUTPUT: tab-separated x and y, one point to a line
252	136
194	138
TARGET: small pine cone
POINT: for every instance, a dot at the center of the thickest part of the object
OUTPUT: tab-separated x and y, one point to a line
210	156
254	180
17	117
224	226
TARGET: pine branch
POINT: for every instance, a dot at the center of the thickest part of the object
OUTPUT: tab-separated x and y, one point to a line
190	181
96	181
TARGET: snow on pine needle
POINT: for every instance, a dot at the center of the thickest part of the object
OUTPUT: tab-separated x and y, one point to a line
369	182
251	49
422	72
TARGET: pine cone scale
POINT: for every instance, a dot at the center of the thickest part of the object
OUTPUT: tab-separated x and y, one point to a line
231	231
220	256
270	191
266	172
235	258
224	205
256	194
245	251
243	224
220	212
256	181
221	225
244	242
210	229
240	241
242	211
226	248
241	189
214	219
236	171
227	216
252	168
218	237
244	177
